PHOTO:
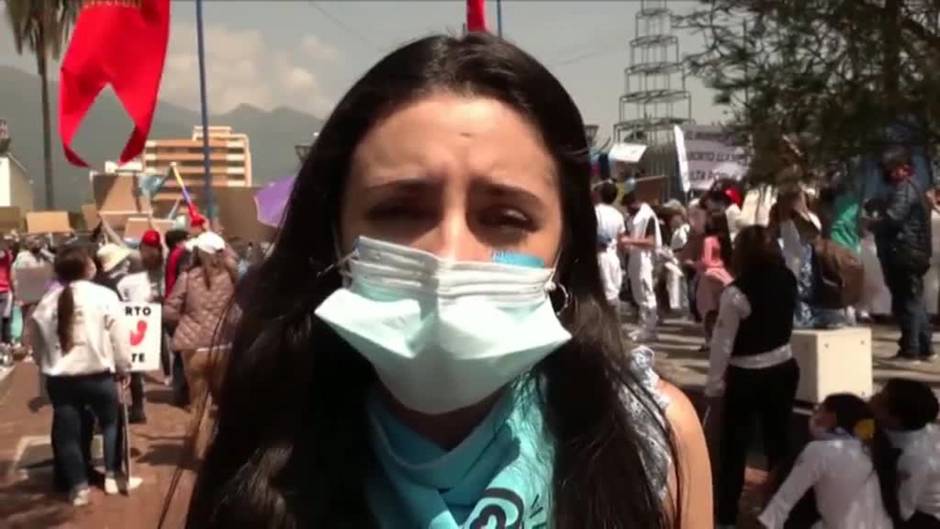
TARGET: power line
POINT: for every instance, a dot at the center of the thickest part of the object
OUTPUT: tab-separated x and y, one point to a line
583	56
352	30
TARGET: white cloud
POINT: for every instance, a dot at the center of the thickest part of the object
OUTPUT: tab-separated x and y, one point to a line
242	67
318	50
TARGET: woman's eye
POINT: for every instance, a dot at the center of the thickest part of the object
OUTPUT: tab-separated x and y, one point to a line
507	218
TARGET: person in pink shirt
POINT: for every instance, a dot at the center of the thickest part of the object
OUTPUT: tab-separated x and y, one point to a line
6	296
712	269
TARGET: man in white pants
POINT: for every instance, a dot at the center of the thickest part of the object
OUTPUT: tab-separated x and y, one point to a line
610	229
643	240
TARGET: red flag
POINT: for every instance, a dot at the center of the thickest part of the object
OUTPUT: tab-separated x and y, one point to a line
476	15
121	42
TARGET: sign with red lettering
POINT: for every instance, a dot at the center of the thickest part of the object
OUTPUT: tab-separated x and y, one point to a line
144	325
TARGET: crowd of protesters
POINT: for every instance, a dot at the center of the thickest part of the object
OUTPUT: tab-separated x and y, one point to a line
74	330
749	291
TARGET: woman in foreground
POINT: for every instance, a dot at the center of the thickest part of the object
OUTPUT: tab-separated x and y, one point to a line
429	344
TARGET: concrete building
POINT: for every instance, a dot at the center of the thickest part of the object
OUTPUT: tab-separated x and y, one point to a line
229	155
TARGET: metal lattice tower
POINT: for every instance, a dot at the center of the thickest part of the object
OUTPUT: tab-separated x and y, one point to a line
655	97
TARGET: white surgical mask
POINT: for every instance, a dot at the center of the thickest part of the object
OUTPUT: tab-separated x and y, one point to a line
443	334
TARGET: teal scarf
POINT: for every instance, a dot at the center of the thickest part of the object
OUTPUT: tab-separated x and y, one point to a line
500	476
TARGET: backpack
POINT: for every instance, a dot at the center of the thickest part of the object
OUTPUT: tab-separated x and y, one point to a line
838	275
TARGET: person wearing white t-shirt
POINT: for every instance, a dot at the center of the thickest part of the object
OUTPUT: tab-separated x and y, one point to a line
610	229
80	345
849	467
908	410
644	240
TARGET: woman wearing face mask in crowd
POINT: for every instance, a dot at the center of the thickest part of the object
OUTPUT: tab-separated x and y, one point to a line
850	467
429	344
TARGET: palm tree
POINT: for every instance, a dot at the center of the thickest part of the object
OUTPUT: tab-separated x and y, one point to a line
42	26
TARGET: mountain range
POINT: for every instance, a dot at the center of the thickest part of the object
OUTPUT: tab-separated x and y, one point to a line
273	135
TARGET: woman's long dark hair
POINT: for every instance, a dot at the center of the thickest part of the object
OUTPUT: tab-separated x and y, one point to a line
291	448
717	226
754	250
71	264
849	411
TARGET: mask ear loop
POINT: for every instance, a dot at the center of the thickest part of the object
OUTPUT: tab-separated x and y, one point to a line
339	259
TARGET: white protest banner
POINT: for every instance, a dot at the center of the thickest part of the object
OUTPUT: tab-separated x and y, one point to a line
145	330
31	283
683	159
712	156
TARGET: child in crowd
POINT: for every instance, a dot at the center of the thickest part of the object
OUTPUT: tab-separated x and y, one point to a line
850	467
712	268
907	409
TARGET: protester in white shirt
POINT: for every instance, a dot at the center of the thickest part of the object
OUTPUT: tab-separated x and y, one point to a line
610	228
676	284
143	283
644	240
849	465
907	409
80	345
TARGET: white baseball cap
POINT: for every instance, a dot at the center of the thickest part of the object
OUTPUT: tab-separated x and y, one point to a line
210	242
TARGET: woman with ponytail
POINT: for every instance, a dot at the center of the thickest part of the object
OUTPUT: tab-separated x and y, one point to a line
850	467
80	346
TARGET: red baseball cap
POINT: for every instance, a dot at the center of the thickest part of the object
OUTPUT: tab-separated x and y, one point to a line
197	220
150	238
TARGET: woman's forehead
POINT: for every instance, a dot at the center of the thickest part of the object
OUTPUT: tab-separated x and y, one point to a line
441	134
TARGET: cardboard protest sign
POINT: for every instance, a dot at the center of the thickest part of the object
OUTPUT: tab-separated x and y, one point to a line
238	214
145	330
136	226
11	218
32	283
118	194
651	189
117	221
48	222
90	214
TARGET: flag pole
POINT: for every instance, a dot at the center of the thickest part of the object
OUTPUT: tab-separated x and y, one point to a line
206	164
499	18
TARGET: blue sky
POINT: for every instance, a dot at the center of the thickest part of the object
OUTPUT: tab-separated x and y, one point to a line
305	54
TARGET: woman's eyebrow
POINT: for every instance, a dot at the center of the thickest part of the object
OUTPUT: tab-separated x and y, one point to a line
407	184
508	189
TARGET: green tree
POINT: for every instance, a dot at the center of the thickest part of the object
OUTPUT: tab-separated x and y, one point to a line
42	27
834	72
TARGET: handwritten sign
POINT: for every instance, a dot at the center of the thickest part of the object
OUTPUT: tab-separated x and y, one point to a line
143	322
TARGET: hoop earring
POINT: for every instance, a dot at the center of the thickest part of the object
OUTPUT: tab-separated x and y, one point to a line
568	300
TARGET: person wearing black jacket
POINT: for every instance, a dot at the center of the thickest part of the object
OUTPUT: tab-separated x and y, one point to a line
901	223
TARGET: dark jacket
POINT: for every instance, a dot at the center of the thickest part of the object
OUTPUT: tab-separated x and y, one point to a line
903	229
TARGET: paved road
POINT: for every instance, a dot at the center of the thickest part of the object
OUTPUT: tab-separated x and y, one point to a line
26	497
